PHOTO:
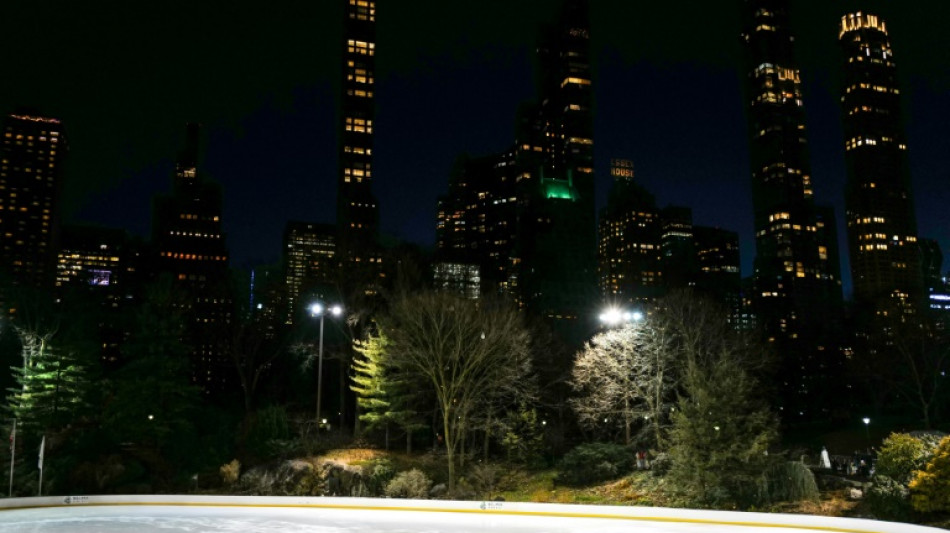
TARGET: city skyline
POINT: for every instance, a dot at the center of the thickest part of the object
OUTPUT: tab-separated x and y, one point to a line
675	109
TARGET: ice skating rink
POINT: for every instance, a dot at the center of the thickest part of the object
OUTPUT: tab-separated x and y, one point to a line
194	514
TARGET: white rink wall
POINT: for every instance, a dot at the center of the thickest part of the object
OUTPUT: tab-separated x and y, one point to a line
660	519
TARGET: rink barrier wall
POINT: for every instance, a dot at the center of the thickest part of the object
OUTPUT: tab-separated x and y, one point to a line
548	510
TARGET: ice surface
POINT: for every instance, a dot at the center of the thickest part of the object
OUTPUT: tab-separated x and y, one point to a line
149	519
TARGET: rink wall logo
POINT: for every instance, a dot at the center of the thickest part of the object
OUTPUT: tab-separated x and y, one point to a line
491	506
75	499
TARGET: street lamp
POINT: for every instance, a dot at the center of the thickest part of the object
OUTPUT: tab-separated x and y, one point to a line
867	433
317	309
613	316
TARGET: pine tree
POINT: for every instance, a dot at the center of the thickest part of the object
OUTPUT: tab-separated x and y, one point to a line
383	397
50	386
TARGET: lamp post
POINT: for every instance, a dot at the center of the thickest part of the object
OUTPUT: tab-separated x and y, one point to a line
867	433
614	316
317	309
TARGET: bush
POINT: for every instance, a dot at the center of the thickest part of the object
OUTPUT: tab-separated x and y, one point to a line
791	481
930	489
411	484
900	455
484	479
230	472
888	499
377	474
598	461
523	439
660	464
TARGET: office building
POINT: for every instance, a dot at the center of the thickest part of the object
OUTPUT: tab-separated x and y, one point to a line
104	265
882	228
31	162
357	207
557	234
311	264
458	278
189	242
796	286
630	248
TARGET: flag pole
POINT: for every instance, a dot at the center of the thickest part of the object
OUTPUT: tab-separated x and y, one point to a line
40	464
12	455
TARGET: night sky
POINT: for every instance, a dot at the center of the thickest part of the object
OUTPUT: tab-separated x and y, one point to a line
263	79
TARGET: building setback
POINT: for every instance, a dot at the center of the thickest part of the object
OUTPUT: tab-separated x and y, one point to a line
31	160
882	228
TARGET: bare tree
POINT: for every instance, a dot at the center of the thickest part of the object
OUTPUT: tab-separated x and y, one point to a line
919	370
625	374
468	353
253	348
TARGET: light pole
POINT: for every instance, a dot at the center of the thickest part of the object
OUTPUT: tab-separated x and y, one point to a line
867	433
317	309
614	316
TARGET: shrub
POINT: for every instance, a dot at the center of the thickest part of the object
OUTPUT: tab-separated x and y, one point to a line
523	439
540	495
888	499
377	474
230	472
598	461
484	478
900	455
409	484
930	489
660	464
791	481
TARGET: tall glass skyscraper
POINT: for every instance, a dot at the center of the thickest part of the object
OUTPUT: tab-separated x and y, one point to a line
796	283
882	228
31	159
357	208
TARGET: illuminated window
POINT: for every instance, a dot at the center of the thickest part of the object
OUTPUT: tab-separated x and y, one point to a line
575	81
360	47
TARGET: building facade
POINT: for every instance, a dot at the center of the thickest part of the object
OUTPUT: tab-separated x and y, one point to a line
311	264
796	285
189	242
557	237
881	222
630	243
31	162
357	207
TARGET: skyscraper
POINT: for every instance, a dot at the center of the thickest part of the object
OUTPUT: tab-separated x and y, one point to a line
796	287
477	218
557	238
357	208
630	240
310	262
717	269
30	179
882	228
189	239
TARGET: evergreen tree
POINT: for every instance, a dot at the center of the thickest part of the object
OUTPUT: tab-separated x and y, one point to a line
722	427
383	397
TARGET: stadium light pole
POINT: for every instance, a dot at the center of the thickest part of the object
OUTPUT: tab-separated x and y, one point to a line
319	310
